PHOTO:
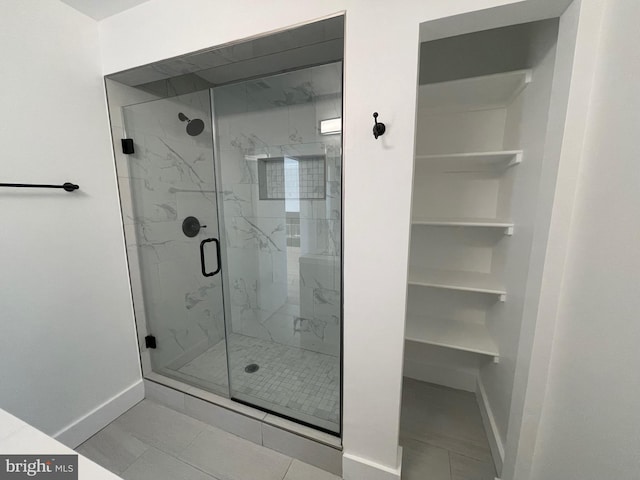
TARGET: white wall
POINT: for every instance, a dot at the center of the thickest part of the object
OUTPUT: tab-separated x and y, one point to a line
67	340
590	426
378	174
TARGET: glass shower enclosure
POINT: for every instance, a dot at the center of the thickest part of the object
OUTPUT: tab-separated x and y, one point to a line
235	231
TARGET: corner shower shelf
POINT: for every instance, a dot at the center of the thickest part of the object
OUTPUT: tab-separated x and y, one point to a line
465	222
470	162
457	280
468	337
474	93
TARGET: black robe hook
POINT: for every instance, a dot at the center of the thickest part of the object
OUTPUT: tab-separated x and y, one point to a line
378	128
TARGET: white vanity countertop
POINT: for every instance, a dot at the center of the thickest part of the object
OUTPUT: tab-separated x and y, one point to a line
18	437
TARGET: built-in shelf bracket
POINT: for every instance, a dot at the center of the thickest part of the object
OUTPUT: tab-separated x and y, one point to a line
517	158
508	231
495	360
526	80
503	297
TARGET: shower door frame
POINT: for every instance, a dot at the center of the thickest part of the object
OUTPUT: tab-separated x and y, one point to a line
137	296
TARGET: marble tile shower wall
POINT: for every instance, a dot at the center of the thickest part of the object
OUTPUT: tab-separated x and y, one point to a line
276	117
171	177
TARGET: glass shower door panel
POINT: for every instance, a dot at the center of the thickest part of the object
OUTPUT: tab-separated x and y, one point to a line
280	198
172	185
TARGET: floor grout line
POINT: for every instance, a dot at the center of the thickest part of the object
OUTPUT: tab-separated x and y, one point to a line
288	468
184	461
444	447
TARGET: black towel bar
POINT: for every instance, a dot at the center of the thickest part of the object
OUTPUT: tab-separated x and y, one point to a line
69	187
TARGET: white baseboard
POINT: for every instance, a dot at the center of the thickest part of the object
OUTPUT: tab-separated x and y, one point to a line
358	468
495	440
447	377
94	421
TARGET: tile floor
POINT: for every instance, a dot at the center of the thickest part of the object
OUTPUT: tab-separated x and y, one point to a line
442	435
292	381
152	442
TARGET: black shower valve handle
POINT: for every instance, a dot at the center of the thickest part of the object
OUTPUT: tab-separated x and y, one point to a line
378	127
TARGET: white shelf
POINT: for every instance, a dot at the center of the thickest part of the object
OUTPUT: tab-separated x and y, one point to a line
475	93
457	280
468	337
465	162
465	222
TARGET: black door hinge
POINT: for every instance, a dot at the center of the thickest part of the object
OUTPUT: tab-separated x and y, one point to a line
127	146
150	341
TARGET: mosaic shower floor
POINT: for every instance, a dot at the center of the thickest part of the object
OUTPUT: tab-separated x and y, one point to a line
291	381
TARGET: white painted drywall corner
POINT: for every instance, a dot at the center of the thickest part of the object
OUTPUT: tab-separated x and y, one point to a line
590	426
575	66
68	342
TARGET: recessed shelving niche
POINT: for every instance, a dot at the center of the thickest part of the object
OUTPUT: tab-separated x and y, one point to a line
463	185
479	180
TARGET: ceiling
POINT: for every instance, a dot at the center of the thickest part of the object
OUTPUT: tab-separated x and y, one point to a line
99	9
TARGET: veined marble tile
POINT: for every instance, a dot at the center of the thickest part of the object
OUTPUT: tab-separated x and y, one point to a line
237	200
302	125
153	202
317	336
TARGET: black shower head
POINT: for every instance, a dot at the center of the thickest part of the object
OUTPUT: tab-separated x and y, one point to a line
194	127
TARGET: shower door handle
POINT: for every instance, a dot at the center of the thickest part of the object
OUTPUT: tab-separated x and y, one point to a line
202	261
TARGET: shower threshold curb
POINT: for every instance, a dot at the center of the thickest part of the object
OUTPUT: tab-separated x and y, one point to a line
278	422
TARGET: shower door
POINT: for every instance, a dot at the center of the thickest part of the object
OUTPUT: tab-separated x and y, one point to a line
172	238
238	257
278	153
